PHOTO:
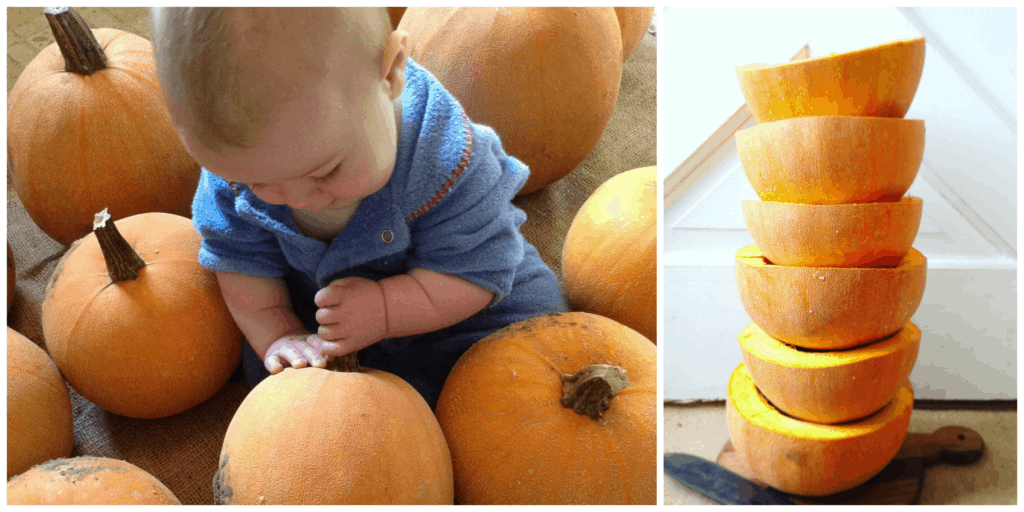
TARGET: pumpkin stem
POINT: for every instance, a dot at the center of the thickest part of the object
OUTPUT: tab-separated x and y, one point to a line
348	363
590	390
123	263
82	53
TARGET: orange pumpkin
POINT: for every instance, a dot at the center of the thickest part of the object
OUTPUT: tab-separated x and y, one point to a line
546	79
315	436
559	409
832	159
38	407
140	328
88	481
806	458
835	386
93	131
827	308
633	23
834	235
610	256
878	81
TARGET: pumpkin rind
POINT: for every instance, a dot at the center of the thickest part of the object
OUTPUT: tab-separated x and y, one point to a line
878	81
832	159
840	235
831	386
315	436
88	481
144	348
79	143
610	256
512	440
828	308
633	23
545	79
39	423
809	459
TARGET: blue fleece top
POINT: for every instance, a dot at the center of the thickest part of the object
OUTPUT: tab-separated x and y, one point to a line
447	208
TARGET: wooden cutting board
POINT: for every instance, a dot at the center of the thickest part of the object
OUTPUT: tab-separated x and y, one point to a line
901	481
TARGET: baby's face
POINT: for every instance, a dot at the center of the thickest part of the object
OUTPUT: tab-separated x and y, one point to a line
325	149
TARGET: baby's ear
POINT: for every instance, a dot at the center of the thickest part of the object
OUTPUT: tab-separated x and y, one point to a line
396	53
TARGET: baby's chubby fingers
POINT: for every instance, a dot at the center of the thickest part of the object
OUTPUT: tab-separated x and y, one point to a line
327	348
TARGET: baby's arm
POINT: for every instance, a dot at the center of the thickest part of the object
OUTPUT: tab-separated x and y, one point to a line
263	311
358	312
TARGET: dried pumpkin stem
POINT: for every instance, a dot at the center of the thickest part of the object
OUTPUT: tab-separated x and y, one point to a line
123	263
590	390
346	363
82	53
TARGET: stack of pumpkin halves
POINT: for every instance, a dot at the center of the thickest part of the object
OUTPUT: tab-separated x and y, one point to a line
823	401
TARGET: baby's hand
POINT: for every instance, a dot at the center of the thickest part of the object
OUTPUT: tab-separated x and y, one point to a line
351	313
298	350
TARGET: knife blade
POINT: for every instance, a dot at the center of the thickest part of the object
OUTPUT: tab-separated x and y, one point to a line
720	484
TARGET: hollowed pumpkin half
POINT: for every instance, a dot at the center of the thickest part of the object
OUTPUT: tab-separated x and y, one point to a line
559	409
828	308
838	235
806	458
88	481
832	386
877	81
832	159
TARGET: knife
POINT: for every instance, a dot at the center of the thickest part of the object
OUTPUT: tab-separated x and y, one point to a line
899	482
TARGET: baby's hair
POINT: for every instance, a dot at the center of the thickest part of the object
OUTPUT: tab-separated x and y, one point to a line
224	70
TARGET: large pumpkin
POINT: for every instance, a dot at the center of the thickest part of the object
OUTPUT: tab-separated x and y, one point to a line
633	22
559	409
39	424
315	436
88	481
546	79
610	257
135	323
87	128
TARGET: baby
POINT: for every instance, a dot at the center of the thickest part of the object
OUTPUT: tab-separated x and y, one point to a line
346	203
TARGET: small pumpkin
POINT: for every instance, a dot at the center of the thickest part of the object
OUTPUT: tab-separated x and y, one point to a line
140	328
832	159
828	308
610	256
633	22
878	81
559	409
87	128
39	423
317	436
545	78
829	387
809	459
88	481
837	235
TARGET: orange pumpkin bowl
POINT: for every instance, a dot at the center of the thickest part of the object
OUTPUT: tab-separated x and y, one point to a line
828	387
826	308
877	81
838	235
832	159
809	459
